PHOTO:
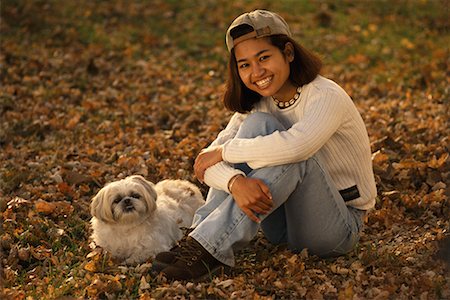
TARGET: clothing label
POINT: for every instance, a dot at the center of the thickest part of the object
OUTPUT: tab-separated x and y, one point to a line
350	194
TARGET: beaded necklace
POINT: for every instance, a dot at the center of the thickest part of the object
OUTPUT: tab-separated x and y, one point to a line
286	104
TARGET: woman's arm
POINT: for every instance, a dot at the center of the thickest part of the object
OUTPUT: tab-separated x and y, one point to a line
321	119
217	175
208	157
251	195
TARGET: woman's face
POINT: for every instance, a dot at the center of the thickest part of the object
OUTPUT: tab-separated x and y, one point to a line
264	68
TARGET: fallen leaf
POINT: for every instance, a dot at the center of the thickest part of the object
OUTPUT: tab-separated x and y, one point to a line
144	285
45	207
91	266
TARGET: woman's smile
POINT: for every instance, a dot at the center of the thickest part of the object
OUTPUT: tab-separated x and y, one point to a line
263	83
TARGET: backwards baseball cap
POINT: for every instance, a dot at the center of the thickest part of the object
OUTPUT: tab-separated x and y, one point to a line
264	23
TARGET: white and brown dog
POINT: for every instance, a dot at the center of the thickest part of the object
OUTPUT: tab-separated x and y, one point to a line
134	219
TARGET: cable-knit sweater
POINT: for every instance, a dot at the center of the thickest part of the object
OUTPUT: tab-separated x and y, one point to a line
323	122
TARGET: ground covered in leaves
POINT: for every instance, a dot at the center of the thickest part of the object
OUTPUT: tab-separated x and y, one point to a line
93	91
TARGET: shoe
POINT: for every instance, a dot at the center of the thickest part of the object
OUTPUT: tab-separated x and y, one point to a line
193	262
164	259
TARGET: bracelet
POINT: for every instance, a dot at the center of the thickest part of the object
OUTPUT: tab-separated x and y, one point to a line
232	181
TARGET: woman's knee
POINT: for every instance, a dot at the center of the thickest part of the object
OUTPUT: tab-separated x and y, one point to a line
259	123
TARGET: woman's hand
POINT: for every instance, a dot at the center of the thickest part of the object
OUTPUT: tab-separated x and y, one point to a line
252	196
206	158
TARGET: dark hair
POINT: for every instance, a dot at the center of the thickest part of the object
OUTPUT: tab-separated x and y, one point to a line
303	69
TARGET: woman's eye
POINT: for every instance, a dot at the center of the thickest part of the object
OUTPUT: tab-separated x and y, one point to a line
263	58
243	66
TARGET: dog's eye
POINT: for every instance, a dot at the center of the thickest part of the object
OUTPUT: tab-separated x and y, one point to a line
135	195
117	199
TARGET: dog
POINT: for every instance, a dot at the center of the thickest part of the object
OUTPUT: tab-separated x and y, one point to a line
134	219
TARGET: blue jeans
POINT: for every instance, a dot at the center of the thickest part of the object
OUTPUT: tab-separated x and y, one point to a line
308	210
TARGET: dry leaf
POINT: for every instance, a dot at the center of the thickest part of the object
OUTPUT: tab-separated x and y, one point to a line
45	207
91	266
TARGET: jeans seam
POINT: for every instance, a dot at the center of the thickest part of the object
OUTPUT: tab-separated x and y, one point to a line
232	228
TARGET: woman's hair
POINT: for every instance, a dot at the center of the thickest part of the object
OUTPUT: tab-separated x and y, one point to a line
303	69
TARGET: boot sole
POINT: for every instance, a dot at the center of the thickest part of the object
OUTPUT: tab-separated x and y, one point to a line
217	271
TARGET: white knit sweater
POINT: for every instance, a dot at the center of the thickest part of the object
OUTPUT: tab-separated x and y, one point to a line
324	122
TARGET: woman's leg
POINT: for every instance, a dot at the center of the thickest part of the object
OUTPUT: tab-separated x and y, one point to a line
327	227
317	218
213	200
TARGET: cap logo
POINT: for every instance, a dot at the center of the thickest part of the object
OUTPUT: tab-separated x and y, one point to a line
263	31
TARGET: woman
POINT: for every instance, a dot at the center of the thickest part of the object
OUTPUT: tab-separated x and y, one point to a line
294	159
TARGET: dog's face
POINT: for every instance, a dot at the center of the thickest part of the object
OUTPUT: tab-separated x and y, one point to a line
124	201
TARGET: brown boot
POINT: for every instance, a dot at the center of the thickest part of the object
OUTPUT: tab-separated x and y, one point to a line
164	259
193	262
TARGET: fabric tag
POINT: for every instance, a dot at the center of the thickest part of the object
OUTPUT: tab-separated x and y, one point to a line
350	194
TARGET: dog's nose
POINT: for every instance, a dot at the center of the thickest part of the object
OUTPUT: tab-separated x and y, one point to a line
127	201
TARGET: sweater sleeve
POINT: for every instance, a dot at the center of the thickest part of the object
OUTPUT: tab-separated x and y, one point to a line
323	115
220	174
230	130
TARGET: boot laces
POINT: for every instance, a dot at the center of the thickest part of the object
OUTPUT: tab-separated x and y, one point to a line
186	232
189	251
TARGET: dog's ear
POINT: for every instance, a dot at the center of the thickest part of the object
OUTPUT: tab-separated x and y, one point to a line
99	207
95	203
149	186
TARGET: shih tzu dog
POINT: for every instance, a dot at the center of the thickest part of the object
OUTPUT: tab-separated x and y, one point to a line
134	219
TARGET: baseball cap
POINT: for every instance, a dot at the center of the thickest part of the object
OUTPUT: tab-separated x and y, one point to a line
264	22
